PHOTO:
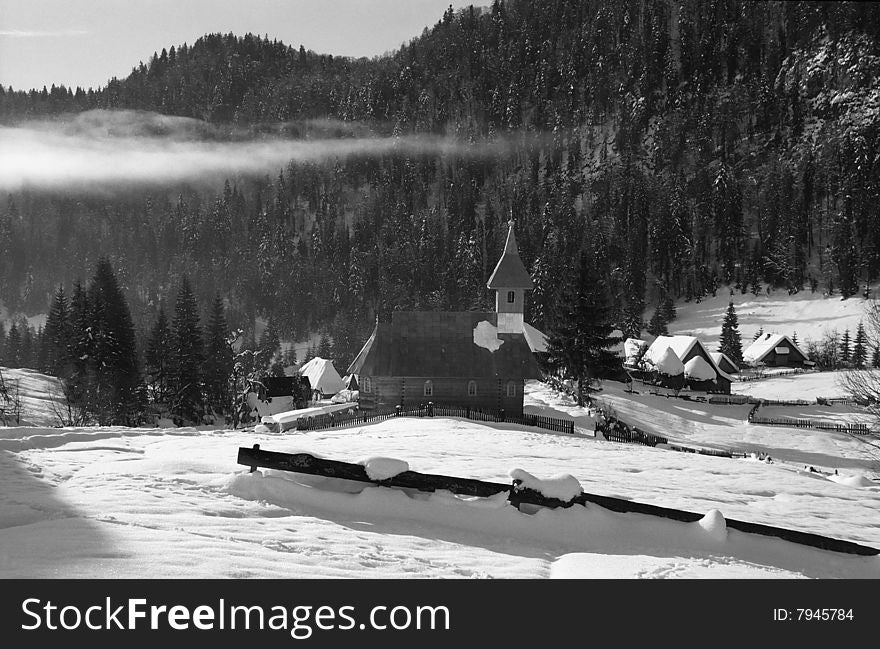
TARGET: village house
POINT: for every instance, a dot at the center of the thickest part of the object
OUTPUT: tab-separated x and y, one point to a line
776	350
700	370
467	358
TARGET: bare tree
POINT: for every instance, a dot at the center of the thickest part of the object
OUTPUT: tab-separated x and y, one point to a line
11	407
68	411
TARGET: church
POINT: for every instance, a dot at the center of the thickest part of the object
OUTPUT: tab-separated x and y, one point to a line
462	358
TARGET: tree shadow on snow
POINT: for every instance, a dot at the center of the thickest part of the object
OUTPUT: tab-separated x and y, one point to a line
41	536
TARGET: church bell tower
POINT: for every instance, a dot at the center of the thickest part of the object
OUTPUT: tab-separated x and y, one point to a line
510	280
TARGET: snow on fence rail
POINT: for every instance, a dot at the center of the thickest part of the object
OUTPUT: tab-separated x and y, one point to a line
333	420
518	495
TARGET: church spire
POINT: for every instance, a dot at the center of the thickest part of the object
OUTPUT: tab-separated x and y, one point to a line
510	272
510	280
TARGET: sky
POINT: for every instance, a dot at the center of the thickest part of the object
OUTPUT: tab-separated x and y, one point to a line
87	42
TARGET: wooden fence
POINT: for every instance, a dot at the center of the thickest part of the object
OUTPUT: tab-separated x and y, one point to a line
334	420
517	495
857	428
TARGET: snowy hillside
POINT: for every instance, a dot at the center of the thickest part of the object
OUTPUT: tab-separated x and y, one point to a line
808	314
41	396
111	502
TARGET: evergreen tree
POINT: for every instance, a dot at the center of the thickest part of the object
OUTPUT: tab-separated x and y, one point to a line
845	351
187	358
731	343
325	349
57	337
113	363
860	348
270	348
26	355
875	359
667	309
219	359
794	338
580	330
2	344
758	333
657	325
159	359
13	347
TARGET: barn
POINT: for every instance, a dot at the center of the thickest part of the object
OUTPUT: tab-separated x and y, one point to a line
462	358
775	350
703	374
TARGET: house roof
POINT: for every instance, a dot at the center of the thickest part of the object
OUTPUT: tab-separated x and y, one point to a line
537	340
766	344
681	346
718	356
510	272
322	375
444	344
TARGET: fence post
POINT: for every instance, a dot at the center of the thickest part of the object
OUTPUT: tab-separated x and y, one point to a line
571	427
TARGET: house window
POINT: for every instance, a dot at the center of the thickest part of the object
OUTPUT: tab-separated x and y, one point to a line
367	384
511	389
428	389
511	297
472	388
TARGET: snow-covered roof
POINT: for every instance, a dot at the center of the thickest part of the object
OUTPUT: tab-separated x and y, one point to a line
718	356
699	368
322	375
537	340
765	344
669	364
682	346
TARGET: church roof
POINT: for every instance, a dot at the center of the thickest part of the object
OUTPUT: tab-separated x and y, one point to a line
437	344
510	272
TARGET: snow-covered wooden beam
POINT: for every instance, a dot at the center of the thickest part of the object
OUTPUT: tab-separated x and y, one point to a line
517	495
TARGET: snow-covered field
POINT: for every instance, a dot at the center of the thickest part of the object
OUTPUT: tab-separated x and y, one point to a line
118	502
42	400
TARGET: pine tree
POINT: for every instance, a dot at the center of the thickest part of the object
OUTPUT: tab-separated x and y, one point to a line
579	337
219	359
731	343
270	348
13	347
2	344
26	355
57	337
875	359
325	349
158	359
667	309
657	325
114	368
758	333
187	358
794	338
860	348
845	351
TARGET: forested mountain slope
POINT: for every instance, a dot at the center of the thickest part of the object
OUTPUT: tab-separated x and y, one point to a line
685	145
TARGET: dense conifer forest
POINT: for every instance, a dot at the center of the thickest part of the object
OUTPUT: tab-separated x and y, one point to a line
686	147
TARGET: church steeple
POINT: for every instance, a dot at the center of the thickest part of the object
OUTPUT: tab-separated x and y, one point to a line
510	280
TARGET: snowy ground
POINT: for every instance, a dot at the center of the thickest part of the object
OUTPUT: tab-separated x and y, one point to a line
808	314
807	386
117	502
